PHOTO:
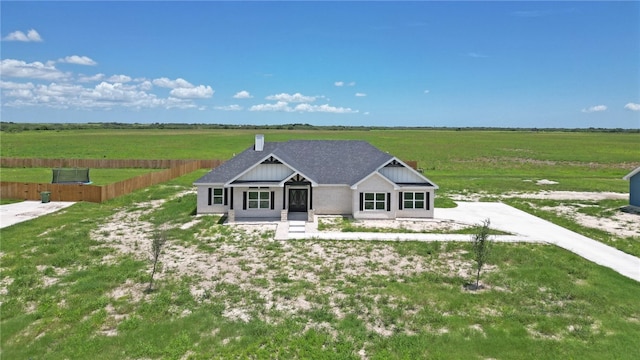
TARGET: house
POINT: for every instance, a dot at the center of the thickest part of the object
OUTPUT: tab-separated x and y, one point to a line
634	186
322	177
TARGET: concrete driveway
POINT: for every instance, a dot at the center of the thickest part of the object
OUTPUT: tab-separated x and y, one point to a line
15	213
507	218
524	227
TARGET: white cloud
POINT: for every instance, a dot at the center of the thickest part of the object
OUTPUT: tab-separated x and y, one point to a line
30	36
295	98
52	88
146	85
172	84
242	95
632	107
91	78
78	60
102	96
229	108
34	70
281	106
596	108
198	92
119	79
326	108
10	85
358	94
427	91
342	83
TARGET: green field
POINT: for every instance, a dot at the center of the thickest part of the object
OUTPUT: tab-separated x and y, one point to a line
68	290
487	161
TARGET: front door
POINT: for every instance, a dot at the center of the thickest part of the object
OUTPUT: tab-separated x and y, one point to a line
298	200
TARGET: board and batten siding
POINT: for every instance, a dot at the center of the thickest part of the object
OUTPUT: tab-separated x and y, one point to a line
267	172
401	175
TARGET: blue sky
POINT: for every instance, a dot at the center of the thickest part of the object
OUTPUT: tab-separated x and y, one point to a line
497	64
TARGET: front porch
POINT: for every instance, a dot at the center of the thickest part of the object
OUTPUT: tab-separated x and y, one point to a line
285	215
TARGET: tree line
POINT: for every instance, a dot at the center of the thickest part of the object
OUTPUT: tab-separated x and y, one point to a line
18	127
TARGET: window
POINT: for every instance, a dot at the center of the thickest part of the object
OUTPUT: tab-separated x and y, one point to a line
259	200
413	200
375	201
216	196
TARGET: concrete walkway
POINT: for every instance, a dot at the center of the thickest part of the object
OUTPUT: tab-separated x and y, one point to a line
524	226
26	210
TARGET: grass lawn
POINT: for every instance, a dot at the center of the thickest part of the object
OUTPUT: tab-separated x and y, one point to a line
493	161
77	291
44	175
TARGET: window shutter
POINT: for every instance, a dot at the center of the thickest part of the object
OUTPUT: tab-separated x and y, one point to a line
361	201
388	201
231	199
209	200
400	199
426	200
244	200
226	193
273	199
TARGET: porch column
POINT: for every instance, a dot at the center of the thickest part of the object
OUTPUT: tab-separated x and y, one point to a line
284	197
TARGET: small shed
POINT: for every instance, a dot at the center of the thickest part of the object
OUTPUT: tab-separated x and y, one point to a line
634	187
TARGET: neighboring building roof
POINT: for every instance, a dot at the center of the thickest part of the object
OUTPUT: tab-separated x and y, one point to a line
631	174
322	161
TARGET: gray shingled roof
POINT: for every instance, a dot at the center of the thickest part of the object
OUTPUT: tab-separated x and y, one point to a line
322	161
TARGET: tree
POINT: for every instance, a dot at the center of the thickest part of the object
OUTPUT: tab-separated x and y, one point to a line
481	246
158	241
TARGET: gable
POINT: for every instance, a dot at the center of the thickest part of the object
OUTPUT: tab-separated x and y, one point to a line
267	172
399	173
375	182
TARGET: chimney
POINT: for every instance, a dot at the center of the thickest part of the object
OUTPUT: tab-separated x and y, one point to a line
259	145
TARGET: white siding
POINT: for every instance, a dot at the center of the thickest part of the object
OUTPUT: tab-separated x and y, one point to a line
401	175
267	172
203	206
332	200
416	213
256	213
375	183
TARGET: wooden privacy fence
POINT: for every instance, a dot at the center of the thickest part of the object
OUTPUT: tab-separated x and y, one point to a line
93	193
101	163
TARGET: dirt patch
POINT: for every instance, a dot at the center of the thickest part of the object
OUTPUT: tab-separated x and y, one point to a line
542	195
621	224
4	284
568	195
333	223
546	182
255	276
